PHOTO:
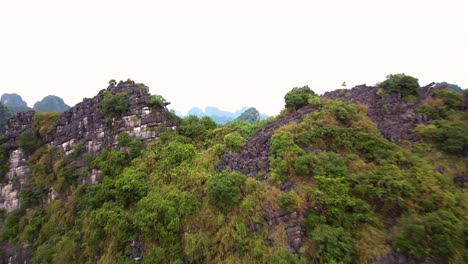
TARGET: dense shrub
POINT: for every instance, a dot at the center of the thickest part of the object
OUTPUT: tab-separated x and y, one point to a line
335	244
130	186
439	233
386	189
442	104
111	162
114	105
11	227
347	210
288	200
224	189
134	146
234	142
286	257
177	152
402	84
448	136
196	128
298	97
28	141
29	198
4	161
157	102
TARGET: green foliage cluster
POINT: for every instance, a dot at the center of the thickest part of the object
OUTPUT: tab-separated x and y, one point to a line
196	128
448	132
442	104
234	141
157	102
114	105
360	178
298	97
224	189
33	138
405	85
4	160
5	114
29	141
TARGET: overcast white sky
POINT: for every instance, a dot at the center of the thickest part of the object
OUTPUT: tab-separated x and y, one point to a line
226	53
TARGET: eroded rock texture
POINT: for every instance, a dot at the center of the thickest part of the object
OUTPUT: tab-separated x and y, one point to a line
253	158
395	118
83	123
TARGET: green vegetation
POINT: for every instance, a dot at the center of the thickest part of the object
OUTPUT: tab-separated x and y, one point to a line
224	189
4	160
114	105
448	132
5	114
298	97
28	141
359	195
157	102
405	85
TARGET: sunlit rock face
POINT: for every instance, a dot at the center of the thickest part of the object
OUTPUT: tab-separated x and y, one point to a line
83	124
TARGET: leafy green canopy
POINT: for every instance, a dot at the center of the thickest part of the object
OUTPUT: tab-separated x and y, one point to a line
114	105
298	97
402	84
224	189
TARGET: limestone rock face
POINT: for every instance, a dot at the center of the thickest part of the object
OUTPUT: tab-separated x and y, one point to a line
83	123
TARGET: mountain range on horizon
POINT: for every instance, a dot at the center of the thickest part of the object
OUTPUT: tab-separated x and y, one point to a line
218	115
52	103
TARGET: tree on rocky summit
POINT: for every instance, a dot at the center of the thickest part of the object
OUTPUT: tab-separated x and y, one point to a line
297	97
403	84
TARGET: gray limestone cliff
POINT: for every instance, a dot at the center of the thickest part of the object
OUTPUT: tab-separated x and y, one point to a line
83	124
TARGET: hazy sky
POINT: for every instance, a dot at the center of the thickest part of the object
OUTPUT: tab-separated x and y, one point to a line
226	53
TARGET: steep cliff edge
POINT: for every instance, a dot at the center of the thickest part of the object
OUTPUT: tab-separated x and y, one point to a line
83	124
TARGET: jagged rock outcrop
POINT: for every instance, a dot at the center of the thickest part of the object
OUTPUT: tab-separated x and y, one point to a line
253	157
84	124
395	118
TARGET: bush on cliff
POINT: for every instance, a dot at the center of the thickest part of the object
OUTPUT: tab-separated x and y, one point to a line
114	105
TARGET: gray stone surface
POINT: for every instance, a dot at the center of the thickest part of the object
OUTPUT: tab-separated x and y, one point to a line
83	123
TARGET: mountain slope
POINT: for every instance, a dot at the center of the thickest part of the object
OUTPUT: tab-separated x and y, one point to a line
322	184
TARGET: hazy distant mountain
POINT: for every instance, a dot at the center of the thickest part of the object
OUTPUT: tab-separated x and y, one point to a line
51	103
250	115
196	112
14	102
452	86
218	115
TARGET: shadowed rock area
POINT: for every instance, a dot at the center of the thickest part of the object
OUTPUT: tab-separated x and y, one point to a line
253	158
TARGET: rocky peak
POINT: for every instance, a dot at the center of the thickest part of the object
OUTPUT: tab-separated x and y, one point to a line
395	117
84	124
